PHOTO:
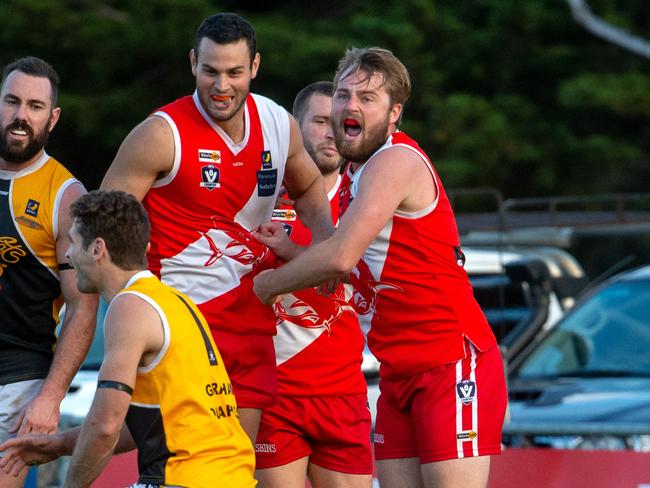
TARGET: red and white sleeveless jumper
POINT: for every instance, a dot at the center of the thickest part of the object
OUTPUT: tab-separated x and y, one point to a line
411	287
202	212
319	345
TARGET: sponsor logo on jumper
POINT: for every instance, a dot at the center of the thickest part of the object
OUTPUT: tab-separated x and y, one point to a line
469	435
237	164
264	447
27	222
366	288
212	389
266	182
222	412
209	156
284	214
267	163
379	438
212	358
32	208
210	177
466	390
10	252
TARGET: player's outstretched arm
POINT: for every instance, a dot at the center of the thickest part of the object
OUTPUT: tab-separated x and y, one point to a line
306	187
31	449
396	178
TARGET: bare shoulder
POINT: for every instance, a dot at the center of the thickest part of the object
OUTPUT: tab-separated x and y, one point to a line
296	146
397	157
400	176
391	168
152	136
154	126
131	308
133	321
70	194
146	154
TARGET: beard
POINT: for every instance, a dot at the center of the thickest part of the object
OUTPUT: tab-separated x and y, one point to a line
360	151
15	152
219	116
326	165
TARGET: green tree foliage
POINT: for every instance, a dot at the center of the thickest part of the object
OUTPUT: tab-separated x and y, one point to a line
511	94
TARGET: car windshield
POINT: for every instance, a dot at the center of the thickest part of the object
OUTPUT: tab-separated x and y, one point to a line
607	335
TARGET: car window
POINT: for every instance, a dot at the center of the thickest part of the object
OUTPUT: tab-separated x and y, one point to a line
609	334
503	301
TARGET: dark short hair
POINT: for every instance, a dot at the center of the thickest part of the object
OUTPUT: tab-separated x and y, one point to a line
33	66
301	101
381	61
118	218
227	28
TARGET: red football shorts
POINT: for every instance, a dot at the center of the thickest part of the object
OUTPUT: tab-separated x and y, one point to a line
449	412
334	431
250	363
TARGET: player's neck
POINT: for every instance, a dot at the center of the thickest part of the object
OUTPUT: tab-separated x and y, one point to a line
235	126
330	180
115	281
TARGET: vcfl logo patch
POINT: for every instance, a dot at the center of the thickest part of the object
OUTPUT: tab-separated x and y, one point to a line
466	390
210	177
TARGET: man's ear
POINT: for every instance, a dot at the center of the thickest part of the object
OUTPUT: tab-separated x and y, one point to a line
193	61
98	249
255	65
54	118
395	113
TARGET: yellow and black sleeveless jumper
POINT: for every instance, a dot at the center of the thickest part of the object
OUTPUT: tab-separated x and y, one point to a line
30	291
183	415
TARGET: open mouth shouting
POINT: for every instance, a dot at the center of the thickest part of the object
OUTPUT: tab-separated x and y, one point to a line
351	127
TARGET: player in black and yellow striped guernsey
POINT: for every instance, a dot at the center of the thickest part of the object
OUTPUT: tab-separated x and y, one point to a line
35	195
162	372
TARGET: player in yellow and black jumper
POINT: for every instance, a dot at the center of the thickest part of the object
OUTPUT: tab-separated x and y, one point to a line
162	372
35	194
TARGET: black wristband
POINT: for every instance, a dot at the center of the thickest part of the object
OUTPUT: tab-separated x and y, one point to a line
116	385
